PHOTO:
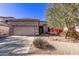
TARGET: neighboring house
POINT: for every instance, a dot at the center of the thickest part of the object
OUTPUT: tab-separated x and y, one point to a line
77	28
4	29
3	19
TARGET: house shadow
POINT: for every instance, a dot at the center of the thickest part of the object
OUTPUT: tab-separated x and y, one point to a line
8	46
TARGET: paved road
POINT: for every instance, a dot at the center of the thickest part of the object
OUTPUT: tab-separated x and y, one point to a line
15	45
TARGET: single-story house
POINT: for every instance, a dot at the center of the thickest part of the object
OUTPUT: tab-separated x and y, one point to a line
25	26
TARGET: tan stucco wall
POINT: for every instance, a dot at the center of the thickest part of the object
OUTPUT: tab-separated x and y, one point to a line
4	30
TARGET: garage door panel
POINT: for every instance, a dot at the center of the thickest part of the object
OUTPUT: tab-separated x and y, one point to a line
24	31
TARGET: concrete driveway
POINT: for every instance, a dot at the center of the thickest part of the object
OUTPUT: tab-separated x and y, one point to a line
15	45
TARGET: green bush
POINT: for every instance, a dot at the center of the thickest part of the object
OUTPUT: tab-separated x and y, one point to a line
38	42
42	44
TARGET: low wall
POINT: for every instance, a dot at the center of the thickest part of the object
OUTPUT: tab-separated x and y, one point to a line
4	31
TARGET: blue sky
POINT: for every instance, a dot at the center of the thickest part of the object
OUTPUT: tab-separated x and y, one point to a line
27	10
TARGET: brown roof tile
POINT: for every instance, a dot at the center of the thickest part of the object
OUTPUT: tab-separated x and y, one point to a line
24	20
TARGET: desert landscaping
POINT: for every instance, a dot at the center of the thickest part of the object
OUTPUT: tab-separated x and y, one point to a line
23	45
61	46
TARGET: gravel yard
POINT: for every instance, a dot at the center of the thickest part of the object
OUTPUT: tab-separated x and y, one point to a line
61	46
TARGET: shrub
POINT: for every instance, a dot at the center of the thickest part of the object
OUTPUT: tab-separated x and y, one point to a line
42	44
38	42
73	35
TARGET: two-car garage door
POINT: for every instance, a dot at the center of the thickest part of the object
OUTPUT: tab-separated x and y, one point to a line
25	31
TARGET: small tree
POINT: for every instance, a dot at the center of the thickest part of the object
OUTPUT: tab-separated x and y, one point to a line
63	15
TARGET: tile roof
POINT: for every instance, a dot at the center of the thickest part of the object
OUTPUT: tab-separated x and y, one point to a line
25	19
